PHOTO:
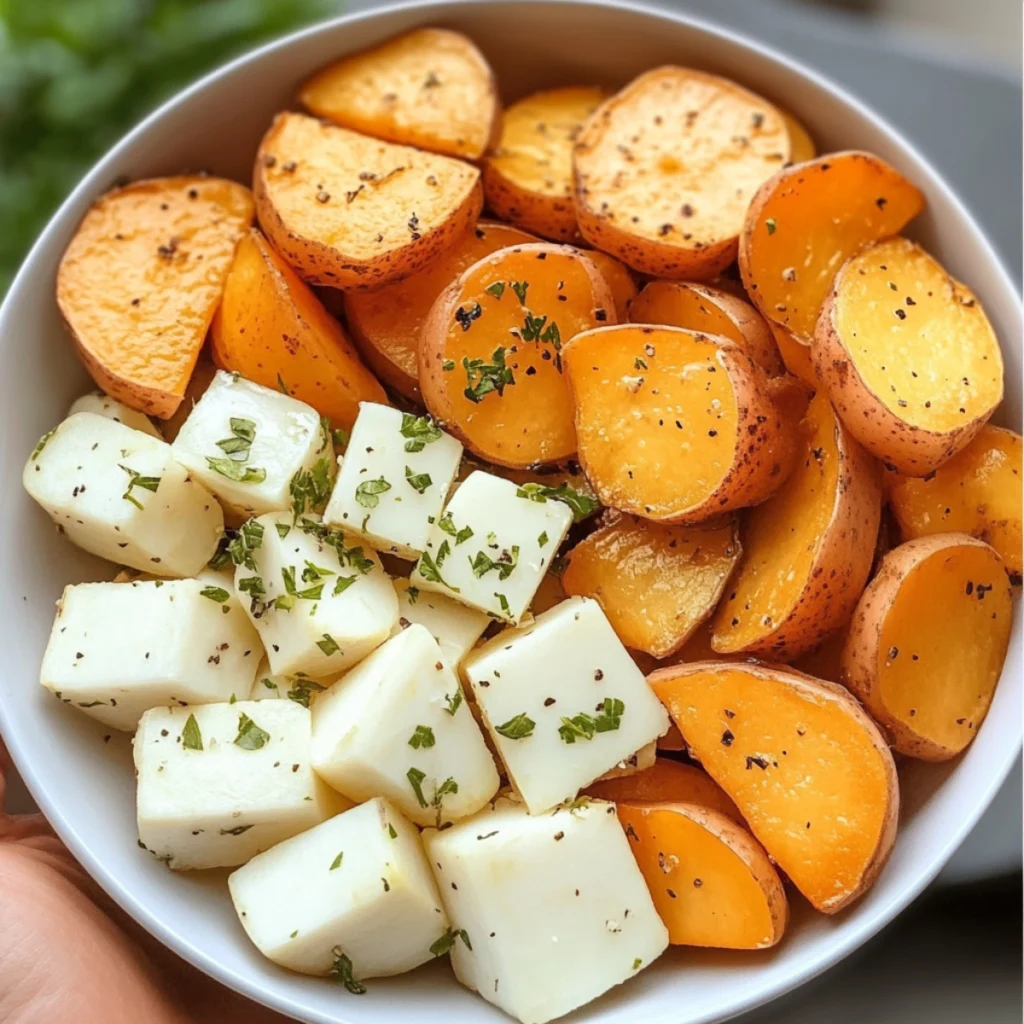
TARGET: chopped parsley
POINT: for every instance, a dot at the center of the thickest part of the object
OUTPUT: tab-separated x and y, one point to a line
303	690
770	225
423	736
639	364
341	584
236	471
328	645
416	779
429	569
584	726
483	378
517	728
447	941
519	287
413	594
448	365
336	863
248	539
243	433
453	701
503	602
250	735
506	562
419	482
582	505
191	738
543	539
147	483
391	831
43	441
283	529
218	594
447	524
369	491
342	971
310	488
420	430
497	289
269	683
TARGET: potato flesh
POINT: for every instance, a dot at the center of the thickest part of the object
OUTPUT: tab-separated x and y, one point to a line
802	767
801	145
430	88
977	492
655	582
387	322
919	340
618	278
141	279
808	221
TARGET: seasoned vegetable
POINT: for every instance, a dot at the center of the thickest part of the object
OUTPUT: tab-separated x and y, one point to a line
274	331
666	168
139	283
387	322
673	425
491	351
796	354
807	221
978	492
807	551
528	177
430	88
619	279
805	765
927	642
348	211
907	356
656	582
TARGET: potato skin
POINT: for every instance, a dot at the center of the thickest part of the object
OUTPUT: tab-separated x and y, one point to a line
551	217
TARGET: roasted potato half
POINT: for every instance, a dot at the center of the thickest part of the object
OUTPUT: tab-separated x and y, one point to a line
619	279
927	642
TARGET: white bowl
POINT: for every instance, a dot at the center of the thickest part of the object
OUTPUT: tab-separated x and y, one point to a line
85	786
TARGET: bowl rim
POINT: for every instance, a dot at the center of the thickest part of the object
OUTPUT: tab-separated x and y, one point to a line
813	963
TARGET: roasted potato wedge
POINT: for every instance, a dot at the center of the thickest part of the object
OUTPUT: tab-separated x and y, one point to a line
665	169
699	307
908	356
619	279
273	330
807	551
656	582
386	323
528	176
491	351
807	768
927	642
349	211
673	425
795	354
807	221
977	492
711	881
430	88
141	279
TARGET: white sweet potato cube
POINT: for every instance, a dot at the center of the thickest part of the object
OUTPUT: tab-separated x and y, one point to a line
269	685
112	409
118	649
258	450
120	494
397	726
219	783
492	546
554	908
352	897
319	605
394	479
563	701
456	627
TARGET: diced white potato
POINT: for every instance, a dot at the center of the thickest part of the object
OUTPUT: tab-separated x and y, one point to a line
112	409
118	649
563	701
456	627
120	494
553	908
394	479
258	450
492	546
644	758
269	685
319	605
352	897
219	783
395	726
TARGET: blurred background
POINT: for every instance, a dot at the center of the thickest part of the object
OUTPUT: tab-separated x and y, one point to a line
76	74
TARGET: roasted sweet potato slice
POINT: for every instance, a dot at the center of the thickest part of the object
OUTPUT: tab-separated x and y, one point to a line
430	88
528	176
807	221
656	582
825	661
711	881
386	323
928	640
977	492
619	279
349	211
665	170
807	551
801	145
796	355
492	350
273	330
673	425
141	279
699	307
807	768
908	356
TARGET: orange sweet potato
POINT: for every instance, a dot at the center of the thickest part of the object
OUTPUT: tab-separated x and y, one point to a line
141	279
807	768
673	425
273	330
801	145
656	582
619	279
927	642
386	323
807	220
711	881
796	355
491	352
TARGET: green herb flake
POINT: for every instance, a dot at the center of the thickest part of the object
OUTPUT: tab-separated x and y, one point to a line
639	364
342	971
483	378
283	529
770	225
336	863
310	488
505	563
445	943
582	505
520	287
236	831
233	470
328	645
497	289
369	491
248	539
420	430
419	482
416	777
147	483
243	433
413	593
191	738
430	570
543	539
503	602
342	583
391	831
250	735
423	736
44	440
453	701
218	594
517	728
636	964
269	683
447	525
281	385
303	690
448	365
340	438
